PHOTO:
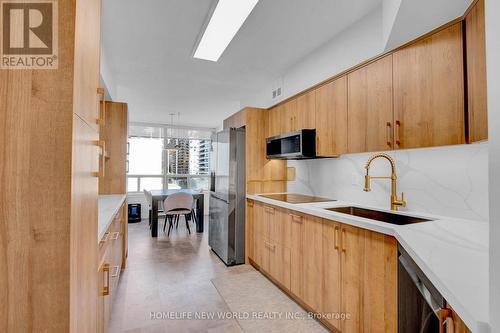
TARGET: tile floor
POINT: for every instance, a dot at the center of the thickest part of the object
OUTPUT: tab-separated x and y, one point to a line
166	275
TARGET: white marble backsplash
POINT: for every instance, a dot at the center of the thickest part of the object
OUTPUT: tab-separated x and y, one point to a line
449	181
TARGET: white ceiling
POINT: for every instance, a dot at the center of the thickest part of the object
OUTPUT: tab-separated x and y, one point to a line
148	47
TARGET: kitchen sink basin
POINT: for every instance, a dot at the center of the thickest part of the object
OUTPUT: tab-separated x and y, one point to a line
378	215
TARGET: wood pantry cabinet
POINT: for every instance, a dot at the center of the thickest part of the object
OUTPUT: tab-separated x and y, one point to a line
48	201
346	273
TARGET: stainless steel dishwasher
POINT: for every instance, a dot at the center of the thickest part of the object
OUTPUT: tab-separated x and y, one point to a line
421	308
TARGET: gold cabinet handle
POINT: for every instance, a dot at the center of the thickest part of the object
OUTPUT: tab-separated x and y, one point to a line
388	134
343	241
105	270
102	107
296	218
446	324
105	237
117	271
270	246
102	158
336	238
398	125
270	210
116	234
250	203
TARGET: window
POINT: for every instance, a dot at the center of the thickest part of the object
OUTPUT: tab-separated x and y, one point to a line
168	158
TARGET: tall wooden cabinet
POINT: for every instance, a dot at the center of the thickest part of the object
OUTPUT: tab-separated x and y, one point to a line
429	91
48	166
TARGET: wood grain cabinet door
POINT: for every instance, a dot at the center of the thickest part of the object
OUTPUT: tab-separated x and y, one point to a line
306	111
476	73
370	114
380	283
332	278
280	239
87	61
331	118
429	91
249	228
352	251
274	121
297	254
289	117
313	263
258	233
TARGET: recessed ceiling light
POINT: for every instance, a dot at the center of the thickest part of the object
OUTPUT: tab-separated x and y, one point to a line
226	20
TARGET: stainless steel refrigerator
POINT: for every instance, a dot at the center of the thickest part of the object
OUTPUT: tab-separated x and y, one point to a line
226	232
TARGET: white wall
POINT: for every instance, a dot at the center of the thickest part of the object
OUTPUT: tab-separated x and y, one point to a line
390	9
361	41
448	181
493	66
415	18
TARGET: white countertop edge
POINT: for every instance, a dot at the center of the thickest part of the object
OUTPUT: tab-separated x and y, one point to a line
316	209
104	221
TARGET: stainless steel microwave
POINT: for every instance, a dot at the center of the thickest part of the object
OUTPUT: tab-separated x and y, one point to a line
292	146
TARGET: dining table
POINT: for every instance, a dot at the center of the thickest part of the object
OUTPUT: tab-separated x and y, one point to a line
161	195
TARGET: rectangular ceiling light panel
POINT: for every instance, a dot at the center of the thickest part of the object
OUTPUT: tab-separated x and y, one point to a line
226	20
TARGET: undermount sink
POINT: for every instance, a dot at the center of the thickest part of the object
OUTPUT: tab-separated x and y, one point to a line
378	215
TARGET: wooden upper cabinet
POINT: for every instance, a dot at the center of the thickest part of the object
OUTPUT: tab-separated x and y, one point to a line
476	73
114	133
87	61
289	116
429	91
274	122
306	111
331	118
370	120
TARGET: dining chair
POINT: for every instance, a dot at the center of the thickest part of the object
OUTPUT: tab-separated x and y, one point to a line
174	206
149	199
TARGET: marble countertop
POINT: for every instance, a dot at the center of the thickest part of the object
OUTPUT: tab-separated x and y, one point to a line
108	206
453	253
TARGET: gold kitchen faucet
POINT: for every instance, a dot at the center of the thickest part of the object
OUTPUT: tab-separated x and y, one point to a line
395	202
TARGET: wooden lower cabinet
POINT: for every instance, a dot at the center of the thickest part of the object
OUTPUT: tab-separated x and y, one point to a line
249	231
297	254
111	262
351	277
379	288
313	262
332	274
345	273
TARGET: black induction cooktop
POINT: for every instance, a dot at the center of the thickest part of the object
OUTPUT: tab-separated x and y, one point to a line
294	198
